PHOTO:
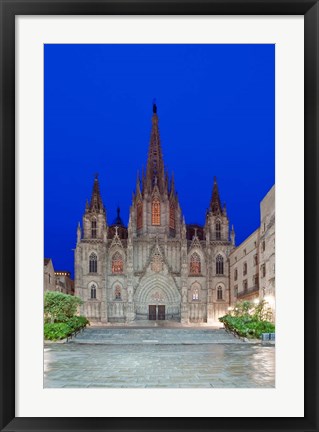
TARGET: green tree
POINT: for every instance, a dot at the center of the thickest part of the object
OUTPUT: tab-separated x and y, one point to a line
59	307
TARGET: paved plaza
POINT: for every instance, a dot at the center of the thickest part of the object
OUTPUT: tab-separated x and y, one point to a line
158	357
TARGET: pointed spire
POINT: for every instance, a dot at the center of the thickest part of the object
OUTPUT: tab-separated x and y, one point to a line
215	205
172	188
183	229
224	209
166	180
155	164
96	203
232	235
118	220
78	233
138	184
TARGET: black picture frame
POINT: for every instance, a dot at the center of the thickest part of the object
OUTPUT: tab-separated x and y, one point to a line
9	10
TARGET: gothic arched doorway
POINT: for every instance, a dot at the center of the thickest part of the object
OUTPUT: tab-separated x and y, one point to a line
157	298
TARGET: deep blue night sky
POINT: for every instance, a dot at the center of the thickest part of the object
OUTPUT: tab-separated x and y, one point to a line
216	116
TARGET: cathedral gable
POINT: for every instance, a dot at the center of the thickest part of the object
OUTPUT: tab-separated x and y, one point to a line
196	244
116	241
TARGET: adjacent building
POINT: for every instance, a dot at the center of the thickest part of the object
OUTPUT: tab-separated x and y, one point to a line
64	283
252	263
56	280
48	275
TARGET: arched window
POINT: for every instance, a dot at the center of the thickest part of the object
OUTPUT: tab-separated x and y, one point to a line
195	266
219	265
172	216
219	293
235	274
117	293
156	212
117	263
218	232
195	294
139	215
93	291
93	228
93	263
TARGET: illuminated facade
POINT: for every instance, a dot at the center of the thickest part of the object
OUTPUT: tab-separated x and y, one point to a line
252	263
158	267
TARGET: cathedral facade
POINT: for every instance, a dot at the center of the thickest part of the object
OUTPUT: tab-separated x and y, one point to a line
158	267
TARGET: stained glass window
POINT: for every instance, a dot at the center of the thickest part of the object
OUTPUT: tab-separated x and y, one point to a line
117	263
156	212
195	265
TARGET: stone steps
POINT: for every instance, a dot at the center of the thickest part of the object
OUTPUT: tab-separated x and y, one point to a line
154	336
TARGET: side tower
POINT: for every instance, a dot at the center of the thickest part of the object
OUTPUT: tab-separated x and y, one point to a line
90	258
218	248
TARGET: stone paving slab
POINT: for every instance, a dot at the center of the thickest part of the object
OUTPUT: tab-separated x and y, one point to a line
213	364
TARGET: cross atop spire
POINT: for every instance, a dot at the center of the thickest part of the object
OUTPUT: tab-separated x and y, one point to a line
96	203
155	165
215	205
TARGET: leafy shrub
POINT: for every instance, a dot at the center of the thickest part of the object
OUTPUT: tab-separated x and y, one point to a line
58	331
249	320
59	307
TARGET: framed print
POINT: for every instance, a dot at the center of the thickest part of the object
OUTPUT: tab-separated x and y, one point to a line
165	309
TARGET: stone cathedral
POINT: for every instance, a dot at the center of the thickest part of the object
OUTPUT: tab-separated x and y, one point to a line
159	267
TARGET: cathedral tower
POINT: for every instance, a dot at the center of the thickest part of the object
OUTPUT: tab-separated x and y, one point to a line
218	248
90	257
94	218
217	224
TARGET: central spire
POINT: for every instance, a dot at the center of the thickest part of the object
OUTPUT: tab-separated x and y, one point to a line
155	165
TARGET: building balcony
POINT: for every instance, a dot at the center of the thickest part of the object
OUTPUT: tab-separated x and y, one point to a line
247	292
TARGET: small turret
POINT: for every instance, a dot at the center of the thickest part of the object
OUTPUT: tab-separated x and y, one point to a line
217	223
96	200
138	184
215	205
232	235
78	233
94	219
